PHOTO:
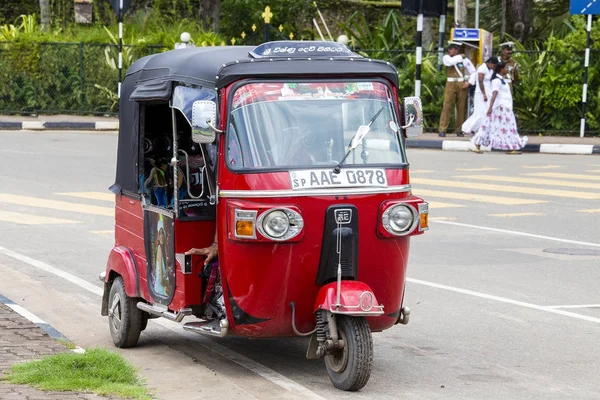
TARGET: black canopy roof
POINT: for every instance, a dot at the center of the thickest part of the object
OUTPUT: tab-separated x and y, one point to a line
150	79
219	66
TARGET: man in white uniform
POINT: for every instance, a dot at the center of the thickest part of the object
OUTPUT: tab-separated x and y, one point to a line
482	92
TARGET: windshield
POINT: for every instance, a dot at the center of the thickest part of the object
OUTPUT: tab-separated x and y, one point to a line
287	125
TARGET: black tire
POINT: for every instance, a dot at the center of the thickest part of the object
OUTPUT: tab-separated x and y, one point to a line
124	318
350	368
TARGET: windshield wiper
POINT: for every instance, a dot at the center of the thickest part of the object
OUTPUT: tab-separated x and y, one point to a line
360	134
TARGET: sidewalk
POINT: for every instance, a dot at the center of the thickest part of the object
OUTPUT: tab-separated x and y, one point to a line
22	340
537	144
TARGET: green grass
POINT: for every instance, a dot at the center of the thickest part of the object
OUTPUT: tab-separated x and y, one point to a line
97	371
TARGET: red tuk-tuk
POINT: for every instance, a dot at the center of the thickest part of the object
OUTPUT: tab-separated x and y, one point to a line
290	157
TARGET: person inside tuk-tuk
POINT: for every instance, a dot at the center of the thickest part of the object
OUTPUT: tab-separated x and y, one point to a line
158	181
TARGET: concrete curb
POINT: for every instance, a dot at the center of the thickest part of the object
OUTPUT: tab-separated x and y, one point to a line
46	327
463	145
60	125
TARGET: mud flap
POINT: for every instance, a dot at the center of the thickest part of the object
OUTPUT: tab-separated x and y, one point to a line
311	352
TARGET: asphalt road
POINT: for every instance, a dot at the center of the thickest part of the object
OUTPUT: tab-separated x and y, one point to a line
503	288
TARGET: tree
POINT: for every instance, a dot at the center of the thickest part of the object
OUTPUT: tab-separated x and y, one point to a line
45	14
519	18
209	13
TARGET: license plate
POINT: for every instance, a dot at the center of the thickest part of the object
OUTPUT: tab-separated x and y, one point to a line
348	177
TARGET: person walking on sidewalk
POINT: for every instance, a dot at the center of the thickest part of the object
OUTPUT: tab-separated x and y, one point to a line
483	89
455	93
499	129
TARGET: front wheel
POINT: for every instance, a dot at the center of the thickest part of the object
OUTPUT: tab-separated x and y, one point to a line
349	368
124	318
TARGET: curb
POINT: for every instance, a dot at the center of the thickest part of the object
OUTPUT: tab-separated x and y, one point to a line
548	148
40	323
60	125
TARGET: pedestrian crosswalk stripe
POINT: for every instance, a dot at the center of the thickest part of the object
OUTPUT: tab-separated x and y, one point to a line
30	219
592	171
509	201
593	165
55	205
542	166
590	211
438	204
533	181
477	169
565	176
105	232
510	215
442	219
90	195
503	188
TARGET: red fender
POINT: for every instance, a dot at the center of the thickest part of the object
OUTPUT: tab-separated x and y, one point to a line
356	298
122	262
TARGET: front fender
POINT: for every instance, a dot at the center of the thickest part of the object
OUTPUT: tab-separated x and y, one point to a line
121	261
356	298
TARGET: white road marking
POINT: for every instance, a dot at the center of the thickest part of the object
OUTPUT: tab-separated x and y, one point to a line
55	205
31	219
480	198
597	210
533	181
577	306
439	204
106	232
504	300
542	166
517	233
478	169
563	175
510	215
442	219
257	368
90	195
507	188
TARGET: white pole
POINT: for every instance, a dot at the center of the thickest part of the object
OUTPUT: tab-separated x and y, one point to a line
120	48
586	65
477	14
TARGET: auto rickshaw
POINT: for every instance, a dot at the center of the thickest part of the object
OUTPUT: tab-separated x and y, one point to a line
291	157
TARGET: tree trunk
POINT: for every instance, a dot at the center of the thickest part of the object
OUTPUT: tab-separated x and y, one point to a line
503	26
460	13
45	14
209	11
428	34
520	18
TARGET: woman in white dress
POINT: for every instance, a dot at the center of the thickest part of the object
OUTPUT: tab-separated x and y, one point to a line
499	129
483	89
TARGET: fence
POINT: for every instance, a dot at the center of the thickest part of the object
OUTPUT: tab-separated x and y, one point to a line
78	78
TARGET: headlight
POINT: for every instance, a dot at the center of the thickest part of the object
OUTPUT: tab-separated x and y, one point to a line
276	224
280	224
399	219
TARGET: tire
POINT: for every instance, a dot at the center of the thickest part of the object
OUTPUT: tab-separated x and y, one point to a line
124	318
350	368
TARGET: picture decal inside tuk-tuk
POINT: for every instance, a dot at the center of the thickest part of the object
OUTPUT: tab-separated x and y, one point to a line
160	256
283	125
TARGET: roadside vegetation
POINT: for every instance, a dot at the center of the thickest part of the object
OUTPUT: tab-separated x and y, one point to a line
72	68
96	371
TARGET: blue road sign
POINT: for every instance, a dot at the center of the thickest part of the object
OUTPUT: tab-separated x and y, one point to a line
466	34
585	7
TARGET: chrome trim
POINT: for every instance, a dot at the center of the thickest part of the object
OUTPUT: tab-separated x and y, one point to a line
159	210
286	211
415	214
360	309
159	311
313	192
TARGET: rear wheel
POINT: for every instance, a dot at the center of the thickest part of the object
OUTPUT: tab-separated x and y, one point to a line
124	318
349	368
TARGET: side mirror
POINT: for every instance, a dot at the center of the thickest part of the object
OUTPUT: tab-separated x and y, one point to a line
204	116
413	116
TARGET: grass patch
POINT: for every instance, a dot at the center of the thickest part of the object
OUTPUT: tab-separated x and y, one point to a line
97	371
